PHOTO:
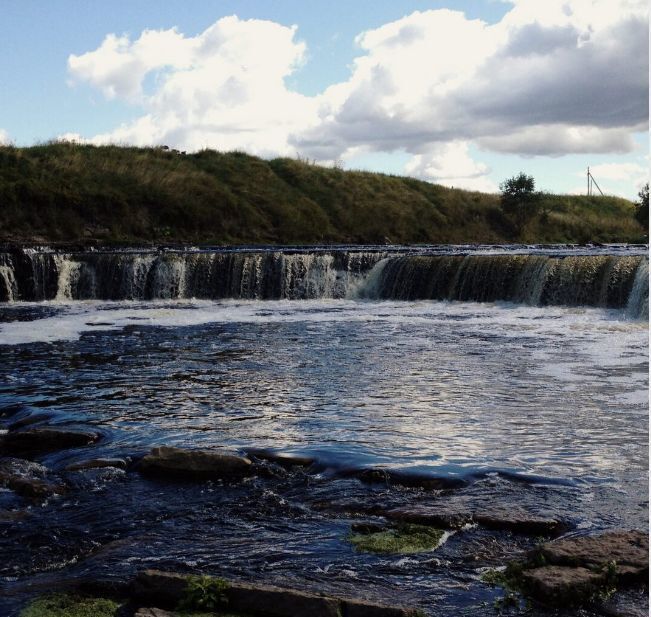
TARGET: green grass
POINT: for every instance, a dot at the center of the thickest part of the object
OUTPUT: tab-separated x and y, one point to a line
70	193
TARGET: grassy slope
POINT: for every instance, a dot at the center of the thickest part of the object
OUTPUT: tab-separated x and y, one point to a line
75	193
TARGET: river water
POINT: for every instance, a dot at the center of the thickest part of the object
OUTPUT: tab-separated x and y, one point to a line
543	408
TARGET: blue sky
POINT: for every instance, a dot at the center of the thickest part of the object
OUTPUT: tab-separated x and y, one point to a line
388	100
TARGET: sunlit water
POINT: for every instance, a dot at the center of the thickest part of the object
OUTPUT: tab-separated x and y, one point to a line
543	408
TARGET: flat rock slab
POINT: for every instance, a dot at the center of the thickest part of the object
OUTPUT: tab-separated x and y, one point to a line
27	479
430	517
169	462
98	463
47	439
629	550
562	586
406	478
168	588
516	521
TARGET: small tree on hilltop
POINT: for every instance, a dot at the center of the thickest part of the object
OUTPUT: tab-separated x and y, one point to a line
519	199
642	207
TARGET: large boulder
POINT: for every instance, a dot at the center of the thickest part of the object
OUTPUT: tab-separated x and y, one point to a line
47	439
170	462
167	589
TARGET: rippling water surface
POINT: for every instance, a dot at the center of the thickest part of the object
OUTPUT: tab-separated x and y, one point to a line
545	408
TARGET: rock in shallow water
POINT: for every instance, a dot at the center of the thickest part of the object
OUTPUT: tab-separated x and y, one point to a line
574	571
628	551
168	588
47	439
98	463
170	462
498	519
27	479
562	586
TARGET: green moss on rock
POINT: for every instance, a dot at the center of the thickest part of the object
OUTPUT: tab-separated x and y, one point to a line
402	539
67	605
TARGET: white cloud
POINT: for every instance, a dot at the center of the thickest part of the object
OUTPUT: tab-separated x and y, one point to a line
4	138
451	165
223	88
551	78
620	171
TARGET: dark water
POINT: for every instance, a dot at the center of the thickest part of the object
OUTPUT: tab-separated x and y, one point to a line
543	408
539	408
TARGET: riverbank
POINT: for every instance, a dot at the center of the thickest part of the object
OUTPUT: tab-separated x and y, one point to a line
71	193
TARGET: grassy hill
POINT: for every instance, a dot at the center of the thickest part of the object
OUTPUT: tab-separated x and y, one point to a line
69	193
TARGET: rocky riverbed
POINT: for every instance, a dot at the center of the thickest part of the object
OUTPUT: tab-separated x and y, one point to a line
514	550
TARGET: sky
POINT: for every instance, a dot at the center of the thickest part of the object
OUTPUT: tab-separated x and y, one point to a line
464	93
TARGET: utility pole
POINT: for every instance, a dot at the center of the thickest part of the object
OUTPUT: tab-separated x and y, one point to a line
592	182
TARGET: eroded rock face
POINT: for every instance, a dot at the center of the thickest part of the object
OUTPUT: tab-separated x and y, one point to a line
167	589
27	479
47	439
628	551
166	461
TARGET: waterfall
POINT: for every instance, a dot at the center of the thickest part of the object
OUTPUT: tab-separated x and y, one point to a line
9	288
538	280
600	280
69	271
637	306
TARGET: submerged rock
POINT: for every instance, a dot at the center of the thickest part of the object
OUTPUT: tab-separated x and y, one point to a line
11	516
407	478
282	459
98	463
30	420
27	479
168	589
446	519
514	520
166	461
47	439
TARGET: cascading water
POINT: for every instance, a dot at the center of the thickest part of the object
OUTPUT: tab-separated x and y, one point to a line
600	280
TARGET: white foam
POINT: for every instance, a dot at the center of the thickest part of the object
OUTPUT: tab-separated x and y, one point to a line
76	318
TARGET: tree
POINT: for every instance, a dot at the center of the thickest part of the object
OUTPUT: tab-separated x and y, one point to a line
642	207
519	199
